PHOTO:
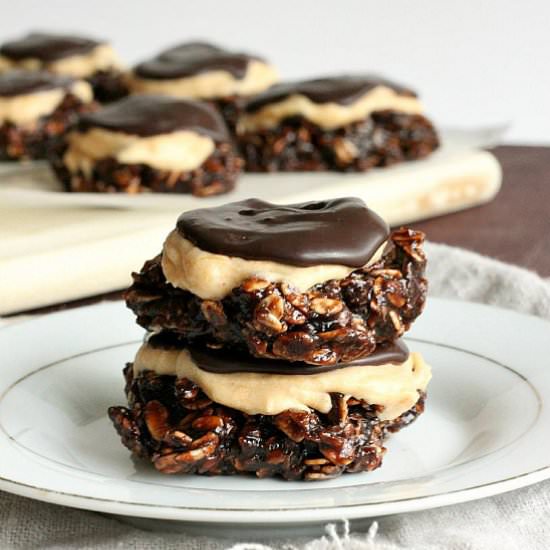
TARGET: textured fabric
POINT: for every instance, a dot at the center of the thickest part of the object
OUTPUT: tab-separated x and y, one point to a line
516	520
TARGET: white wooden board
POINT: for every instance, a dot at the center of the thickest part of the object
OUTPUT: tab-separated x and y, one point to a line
57	246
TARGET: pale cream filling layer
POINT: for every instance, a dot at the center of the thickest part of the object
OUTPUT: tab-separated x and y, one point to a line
100	58
175	151
212	276
329	115
394	387
28	108
209	85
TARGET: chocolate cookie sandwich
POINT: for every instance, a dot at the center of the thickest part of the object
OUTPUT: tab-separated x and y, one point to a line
348	123
150	143
36	109
321	282
273	344
204	71
76	56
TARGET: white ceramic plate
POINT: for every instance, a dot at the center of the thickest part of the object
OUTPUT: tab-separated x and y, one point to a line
485	430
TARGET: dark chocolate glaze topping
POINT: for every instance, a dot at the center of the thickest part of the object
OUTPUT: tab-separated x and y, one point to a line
193	58
343	89
150	115
337	231
14	83
226	362
47	47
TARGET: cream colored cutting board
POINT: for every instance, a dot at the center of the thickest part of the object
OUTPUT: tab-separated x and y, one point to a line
57	246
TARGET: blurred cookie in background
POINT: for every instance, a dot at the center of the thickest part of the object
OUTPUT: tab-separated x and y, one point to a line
347	123
204	71
36	109
76	56
150	143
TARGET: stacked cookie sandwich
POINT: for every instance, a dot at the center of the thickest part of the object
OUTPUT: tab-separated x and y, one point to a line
273	342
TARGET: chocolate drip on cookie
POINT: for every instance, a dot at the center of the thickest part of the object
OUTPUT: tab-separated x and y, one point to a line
224	362
227	361
47	47
14	83
194	58
342	89
338	231
153	115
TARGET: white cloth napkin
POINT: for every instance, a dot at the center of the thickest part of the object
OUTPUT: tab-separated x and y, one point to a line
515	520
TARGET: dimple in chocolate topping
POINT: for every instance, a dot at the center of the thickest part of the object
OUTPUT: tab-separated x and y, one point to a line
337	231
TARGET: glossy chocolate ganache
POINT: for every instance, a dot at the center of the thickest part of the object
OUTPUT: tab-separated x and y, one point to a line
191	59
47	47
338	231
224	362
231	361
343	90
154	115
14	83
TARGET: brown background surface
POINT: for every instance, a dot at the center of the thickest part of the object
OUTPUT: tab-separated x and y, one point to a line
514	227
